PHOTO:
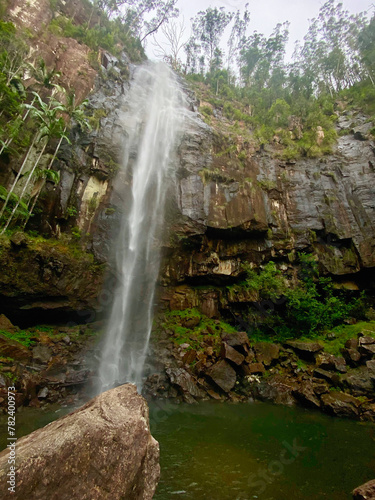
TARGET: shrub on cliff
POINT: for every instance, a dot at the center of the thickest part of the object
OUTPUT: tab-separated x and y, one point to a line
310	305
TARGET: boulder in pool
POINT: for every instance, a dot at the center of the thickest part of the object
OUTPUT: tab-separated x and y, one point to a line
101	451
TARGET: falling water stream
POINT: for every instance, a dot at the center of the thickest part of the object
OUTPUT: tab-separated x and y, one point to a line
153	121
211	450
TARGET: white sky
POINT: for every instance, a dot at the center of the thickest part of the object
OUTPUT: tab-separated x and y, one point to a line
265	14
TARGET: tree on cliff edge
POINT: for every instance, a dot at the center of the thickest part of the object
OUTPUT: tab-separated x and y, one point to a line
141	18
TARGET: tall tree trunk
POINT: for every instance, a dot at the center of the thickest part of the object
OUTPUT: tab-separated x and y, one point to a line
44	181
18	176
24	189
9	141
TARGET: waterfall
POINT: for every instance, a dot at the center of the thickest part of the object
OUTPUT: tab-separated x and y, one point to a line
153	120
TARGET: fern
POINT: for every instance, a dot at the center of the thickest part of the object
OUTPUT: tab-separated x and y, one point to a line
22	210
50	175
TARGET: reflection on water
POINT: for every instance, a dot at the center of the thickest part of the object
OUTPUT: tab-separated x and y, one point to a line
219	451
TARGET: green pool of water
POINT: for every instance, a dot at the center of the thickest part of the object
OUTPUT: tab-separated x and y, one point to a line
246	451
221	451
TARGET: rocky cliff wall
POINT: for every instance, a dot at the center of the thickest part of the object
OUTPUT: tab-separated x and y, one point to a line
79	212
230	204
229	211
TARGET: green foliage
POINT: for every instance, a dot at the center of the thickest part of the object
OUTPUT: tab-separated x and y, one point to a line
93	204
176	321
139	18
108	35
215	175
12	377
50	175
269	282
94	59
279	113
334	61
206	110
312	305
361	95
267	184
301	365
266	284
207	30
95	117
24	337
76	233
22	210
53	5
342	333
13	50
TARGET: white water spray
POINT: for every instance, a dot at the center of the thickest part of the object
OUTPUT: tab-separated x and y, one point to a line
155	114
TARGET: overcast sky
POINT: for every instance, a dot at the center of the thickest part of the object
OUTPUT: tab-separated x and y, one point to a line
265	14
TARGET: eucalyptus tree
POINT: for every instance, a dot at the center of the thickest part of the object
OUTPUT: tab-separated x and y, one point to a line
330	50
263	58
141	18
366	45
192	51
169	50
237	37
250	56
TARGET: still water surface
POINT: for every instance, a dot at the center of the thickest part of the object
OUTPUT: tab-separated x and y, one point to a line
220	451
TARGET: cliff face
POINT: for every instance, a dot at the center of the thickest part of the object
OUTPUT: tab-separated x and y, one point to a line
80	210
230	203
223	210
326	204
229	211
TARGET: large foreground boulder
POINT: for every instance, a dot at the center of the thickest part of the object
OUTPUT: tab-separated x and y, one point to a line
103	450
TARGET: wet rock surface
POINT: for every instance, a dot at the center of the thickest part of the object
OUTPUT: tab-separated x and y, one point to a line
239	370
307	395
13	349
78	455
365	492
330	362
340	404
223	375
55	276
305	349
49	370
266	352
